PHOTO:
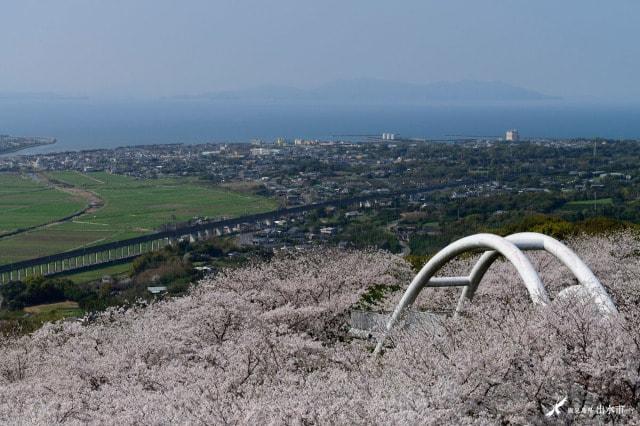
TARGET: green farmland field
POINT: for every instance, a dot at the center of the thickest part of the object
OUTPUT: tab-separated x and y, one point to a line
132	207
25	203
587	204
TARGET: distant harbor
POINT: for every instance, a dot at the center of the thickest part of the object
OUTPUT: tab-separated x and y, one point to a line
10	144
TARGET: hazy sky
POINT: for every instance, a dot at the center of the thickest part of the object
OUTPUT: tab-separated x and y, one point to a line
570	48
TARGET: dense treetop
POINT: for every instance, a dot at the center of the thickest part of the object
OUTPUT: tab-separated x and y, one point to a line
267	343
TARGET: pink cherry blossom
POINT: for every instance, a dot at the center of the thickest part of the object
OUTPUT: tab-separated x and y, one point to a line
268	344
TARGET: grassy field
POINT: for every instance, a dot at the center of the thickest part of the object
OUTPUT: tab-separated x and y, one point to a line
24	203
89	276
132	207
31	318
68	307
587	204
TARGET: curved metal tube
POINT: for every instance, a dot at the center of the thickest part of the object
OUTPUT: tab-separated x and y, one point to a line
496	243
536	241
509	247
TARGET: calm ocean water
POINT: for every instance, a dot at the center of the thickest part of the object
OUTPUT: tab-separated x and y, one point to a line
87	124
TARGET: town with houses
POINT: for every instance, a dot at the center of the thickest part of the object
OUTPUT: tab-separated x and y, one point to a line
467	182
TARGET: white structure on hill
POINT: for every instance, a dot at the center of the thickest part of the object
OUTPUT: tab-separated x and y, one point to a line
511	248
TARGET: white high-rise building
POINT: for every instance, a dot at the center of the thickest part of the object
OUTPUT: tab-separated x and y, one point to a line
512	135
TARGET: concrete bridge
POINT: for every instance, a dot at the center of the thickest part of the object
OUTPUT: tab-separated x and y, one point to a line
88	258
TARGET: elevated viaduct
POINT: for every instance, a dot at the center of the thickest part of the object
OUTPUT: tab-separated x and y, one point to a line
87	258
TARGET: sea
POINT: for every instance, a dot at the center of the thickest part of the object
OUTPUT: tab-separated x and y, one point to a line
83	124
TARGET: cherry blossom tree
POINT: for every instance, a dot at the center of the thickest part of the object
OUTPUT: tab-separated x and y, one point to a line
269	343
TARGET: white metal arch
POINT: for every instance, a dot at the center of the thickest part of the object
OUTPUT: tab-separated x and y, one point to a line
492	242
509	247
536	241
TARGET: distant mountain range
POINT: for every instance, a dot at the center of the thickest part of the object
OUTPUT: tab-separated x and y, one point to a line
360	91
38	96
374	91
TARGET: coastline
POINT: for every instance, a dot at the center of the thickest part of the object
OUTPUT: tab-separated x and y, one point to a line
13	150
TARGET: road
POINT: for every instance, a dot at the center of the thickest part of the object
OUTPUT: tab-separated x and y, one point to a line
406	250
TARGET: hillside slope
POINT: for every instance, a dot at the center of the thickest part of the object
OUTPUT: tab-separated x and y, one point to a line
267	344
